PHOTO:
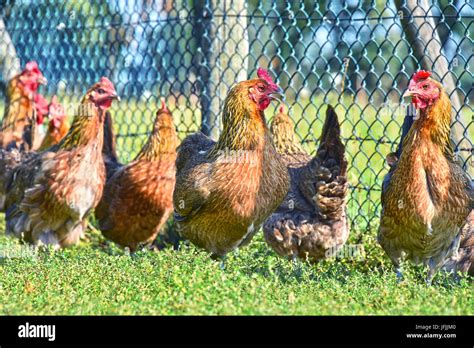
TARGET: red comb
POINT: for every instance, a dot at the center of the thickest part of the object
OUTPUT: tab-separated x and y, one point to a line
41	107
421	75
31	66
264	75
40	100
106	82
163	105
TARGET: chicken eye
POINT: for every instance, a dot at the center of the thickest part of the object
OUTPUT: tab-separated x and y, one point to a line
425	87
100	91
261	88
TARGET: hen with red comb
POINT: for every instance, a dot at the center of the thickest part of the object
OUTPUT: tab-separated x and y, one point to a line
427	196
226	189
20	107
52	193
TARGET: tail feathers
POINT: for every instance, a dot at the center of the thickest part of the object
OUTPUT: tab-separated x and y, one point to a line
331	149
330	198
328	172
463	259
109	150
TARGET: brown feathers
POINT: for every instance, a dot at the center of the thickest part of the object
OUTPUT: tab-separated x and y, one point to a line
52	193
226	189
426	197
137	199
20	108
463	259
311	223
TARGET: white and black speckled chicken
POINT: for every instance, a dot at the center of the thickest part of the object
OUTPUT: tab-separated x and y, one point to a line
311	223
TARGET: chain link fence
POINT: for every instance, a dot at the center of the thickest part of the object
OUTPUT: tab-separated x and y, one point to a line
355	55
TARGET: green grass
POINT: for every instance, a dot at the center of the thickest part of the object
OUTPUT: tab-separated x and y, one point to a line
97	278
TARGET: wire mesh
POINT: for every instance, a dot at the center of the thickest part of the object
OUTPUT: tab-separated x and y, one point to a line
357	56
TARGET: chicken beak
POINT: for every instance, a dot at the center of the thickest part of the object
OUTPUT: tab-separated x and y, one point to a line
42	80
115	96
278	94
408	93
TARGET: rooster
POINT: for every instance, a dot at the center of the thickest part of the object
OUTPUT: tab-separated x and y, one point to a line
58	125
426	197
226	189
20	107
52	193
311	223
137	199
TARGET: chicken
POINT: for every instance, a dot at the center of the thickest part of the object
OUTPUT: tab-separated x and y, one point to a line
58	125
137	199
463	259
426	196
33	133
52	193
226	189
109	151
9	160
311	223
11	157
20	106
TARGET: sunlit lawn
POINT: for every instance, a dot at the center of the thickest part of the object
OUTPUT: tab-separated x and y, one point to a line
96	277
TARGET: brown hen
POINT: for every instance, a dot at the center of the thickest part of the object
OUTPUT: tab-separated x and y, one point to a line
52	193
311	223
15	153
137	199
226	189
58	125
426	196
463	259
22	98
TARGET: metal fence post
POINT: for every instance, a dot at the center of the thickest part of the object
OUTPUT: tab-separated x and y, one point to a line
224	47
